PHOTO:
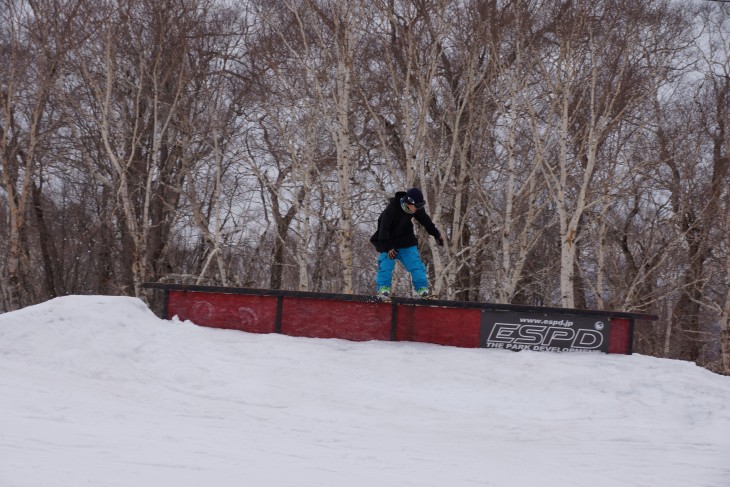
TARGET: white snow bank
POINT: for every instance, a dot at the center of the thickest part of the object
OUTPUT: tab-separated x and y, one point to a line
96	390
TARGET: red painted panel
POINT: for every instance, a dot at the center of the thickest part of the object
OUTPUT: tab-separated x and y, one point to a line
350	320
620	336
254	314
443	326
327	318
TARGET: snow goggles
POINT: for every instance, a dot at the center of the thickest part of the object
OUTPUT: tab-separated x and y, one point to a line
411	201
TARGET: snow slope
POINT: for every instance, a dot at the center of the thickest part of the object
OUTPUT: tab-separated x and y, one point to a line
98	391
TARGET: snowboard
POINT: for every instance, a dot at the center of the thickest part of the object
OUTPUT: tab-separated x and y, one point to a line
388	299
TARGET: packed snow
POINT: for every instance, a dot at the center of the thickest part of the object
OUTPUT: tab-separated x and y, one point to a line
98	391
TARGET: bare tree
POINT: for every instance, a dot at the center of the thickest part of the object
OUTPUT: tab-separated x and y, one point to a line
701	206
36	38
145	77
336	42
591	90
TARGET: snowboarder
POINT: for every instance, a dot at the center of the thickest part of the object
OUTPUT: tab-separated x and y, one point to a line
395	240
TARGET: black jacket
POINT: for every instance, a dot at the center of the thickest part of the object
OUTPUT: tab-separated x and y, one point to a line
395	228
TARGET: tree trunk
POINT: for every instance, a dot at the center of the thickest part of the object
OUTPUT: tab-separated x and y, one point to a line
13	270
725	328
344	154
277	259
49	256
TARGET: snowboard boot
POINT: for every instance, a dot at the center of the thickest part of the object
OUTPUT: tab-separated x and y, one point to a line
424	293
384	294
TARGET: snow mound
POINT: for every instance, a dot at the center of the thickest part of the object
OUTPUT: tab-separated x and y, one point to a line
97	390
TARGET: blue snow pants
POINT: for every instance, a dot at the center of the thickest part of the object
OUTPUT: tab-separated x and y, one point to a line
411	261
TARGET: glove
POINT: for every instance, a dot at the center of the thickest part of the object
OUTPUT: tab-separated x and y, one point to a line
440	240
392	253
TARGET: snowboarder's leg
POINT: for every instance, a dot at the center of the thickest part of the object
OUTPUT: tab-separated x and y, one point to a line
414	265
384	277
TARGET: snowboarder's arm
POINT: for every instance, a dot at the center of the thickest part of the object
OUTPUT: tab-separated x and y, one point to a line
425	220
384	223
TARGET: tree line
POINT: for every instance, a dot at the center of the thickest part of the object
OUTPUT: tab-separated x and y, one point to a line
573	153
